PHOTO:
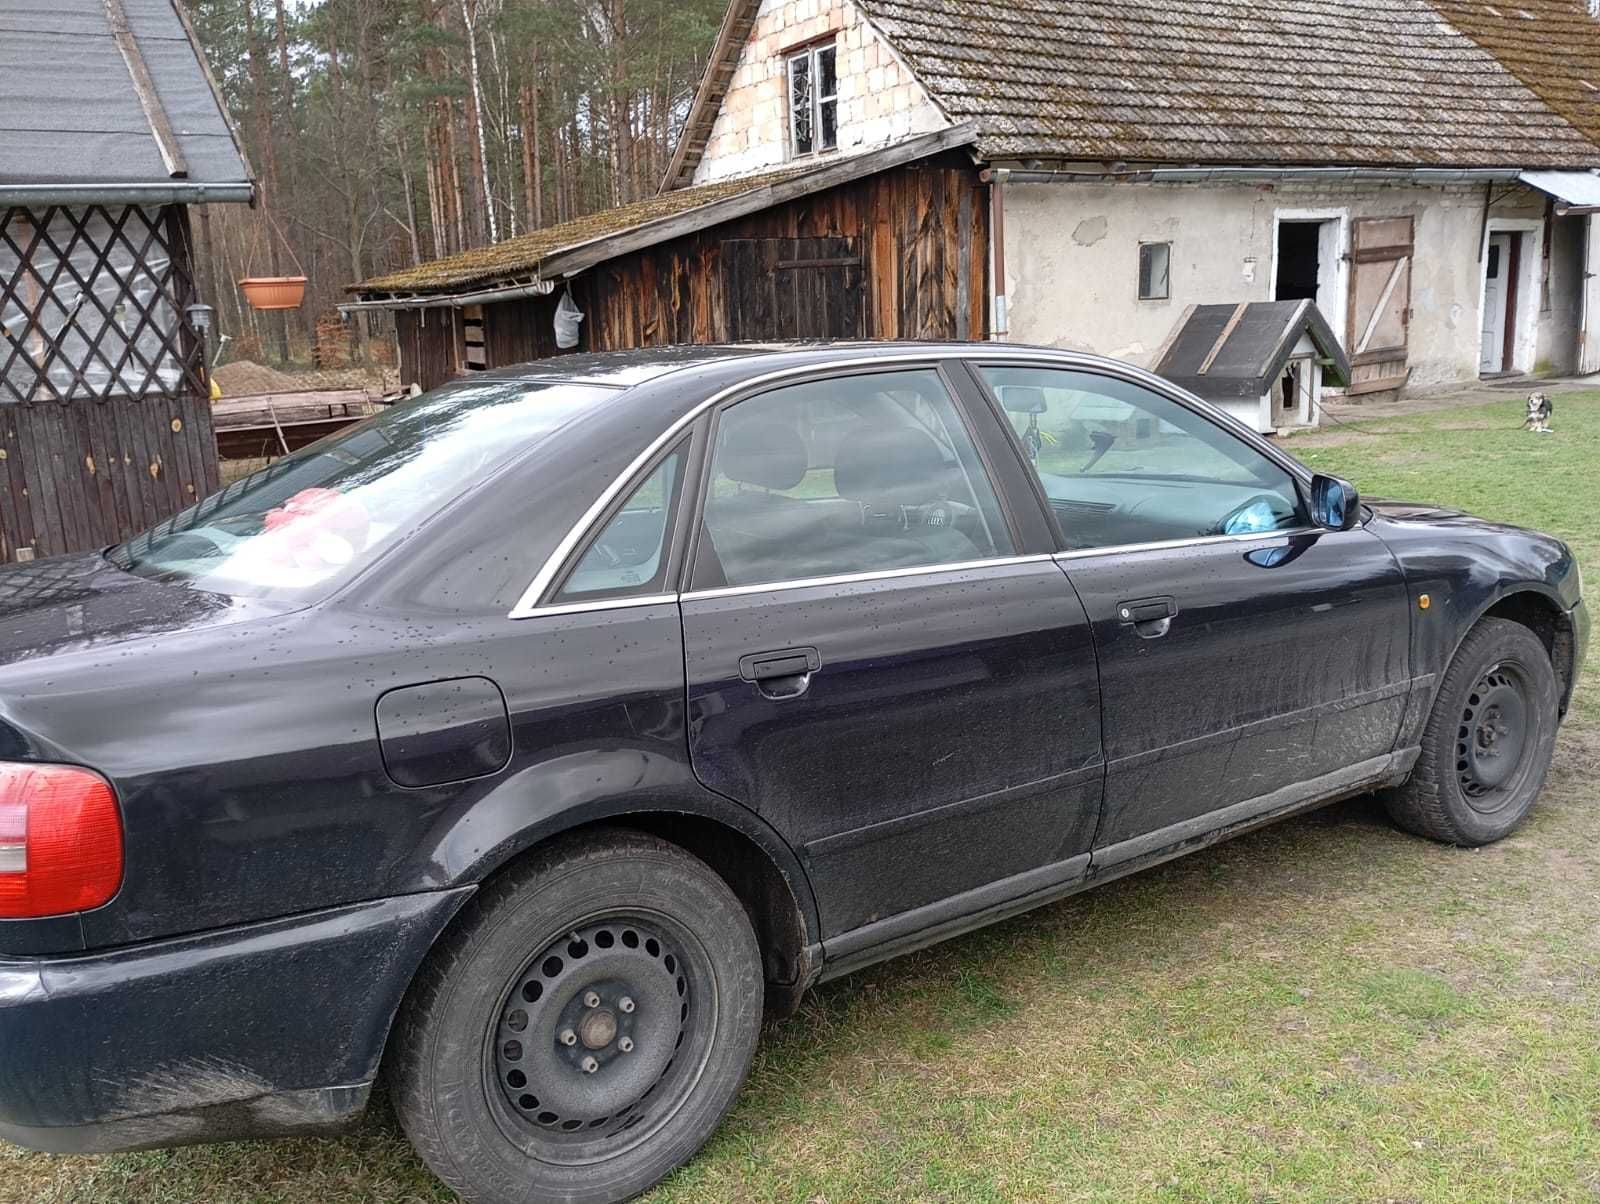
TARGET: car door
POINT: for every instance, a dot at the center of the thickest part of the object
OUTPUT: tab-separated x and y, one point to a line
1248	659
880	656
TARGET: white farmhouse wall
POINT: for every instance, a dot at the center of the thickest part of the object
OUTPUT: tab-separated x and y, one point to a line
1072	261
879	99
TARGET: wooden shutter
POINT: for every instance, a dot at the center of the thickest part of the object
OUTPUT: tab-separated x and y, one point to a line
1380	302
792	288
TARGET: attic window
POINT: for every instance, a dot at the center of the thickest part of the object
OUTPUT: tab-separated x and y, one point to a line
813	100
1155	271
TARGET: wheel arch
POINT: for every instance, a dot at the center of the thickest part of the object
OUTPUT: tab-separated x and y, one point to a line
1543	614
739	847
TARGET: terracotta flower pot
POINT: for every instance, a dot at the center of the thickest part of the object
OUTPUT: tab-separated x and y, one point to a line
274	292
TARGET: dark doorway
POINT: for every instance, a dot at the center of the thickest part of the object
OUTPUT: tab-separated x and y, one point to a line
1298	260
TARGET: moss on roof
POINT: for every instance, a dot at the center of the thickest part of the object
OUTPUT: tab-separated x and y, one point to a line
520	257
1552	46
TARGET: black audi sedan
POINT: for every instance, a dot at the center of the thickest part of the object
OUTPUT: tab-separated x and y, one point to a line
521	746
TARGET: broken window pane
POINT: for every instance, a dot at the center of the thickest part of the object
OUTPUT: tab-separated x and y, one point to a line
1155	270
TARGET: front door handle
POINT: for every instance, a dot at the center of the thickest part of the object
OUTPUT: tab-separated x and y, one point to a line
1150	618
783	674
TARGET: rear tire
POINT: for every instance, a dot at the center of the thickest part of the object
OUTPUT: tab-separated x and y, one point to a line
583	1027
1489	741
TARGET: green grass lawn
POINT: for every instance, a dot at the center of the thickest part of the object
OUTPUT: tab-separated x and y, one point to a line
1324	1010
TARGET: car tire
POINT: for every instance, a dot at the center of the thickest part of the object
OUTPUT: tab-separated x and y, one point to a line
582	1028
1488	743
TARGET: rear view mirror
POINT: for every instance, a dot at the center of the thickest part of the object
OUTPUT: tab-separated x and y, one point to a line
1022	399
1335	504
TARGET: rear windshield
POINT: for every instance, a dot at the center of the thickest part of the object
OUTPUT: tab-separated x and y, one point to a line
304	523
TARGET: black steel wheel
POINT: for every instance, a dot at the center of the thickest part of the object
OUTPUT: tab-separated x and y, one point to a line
1489	740
588	1055
1492	740
582	1028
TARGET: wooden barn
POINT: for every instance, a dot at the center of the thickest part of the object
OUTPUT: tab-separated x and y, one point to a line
891	244
110	128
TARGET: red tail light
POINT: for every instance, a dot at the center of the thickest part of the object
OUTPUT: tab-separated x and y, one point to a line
60	840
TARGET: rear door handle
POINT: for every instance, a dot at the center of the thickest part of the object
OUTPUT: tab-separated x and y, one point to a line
1149	617
783	674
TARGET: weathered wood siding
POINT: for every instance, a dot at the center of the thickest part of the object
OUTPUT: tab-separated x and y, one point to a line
429	351
121	436
83	474
921	234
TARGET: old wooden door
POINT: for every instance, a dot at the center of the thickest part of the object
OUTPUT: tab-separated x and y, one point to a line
792	288
1380	302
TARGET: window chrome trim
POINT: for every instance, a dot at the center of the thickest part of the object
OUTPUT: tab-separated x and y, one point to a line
1163	545
576	608
976	353
919	570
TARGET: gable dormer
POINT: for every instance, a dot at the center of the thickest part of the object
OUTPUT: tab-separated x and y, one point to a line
795	81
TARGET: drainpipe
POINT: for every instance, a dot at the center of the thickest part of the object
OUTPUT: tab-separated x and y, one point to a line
996	180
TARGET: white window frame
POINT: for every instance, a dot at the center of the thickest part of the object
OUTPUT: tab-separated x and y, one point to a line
811	54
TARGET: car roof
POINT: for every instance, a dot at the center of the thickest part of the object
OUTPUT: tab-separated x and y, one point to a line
625	369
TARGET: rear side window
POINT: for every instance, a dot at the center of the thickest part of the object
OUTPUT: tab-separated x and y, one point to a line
852	474
1123	465
629	555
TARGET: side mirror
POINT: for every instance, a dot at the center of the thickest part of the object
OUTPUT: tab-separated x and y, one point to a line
1335	504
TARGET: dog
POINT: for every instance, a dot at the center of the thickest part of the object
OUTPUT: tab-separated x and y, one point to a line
1540	407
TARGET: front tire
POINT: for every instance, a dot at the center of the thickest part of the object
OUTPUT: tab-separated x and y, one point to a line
1489	740
584	1026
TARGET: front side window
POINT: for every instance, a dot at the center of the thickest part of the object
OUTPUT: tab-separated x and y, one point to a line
1123	465
852	474
813	100
628	556
303	524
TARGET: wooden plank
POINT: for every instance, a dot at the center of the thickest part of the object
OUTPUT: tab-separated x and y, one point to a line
314	405
16	527
145	88
1222	339
963	299
1378	384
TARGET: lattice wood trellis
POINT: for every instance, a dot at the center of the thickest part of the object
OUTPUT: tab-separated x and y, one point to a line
93	305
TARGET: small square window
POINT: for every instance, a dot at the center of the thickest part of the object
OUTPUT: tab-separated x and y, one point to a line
813	100
1155	271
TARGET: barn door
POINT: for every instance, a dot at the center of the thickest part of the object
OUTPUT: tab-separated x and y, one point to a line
792	288
1589	350
1380	302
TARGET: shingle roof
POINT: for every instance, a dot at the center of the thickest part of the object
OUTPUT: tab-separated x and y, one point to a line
572	246
1552	46
72	115
1384	82
522	255
1397	83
